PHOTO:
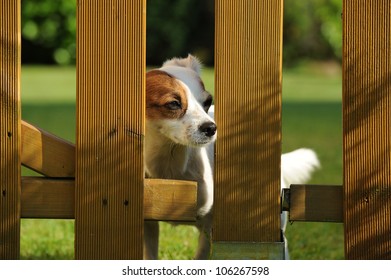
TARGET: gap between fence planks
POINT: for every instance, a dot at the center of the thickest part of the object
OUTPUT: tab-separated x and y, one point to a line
164	200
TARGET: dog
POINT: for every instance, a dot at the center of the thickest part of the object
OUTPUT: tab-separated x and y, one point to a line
179	144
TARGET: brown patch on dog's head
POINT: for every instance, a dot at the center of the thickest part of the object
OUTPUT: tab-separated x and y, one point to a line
165	96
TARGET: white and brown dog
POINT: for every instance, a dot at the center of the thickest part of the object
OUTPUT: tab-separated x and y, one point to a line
179	133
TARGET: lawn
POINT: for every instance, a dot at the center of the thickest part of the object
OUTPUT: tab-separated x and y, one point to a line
311	118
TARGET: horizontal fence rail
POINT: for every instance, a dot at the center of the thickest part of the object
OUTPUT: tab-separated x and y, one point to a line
313	203
164	200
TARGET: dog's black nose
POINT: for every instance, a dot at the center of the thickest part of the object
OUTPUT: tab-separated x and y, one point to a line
209	128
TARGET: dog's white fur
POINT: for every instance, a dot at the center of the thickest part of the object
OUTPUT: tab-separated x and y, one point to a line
176	148
296	168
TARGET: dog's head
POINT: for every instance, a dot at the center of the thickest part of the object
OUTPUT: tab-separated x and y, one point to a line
177	103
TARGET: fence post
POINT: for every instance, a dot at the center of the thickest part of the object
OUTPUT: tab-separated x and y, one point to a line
10	129
248	69
366	128
110	129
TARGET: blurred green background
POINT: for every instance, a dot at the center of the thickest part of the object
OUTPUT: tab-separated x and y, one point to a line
312	87
312	30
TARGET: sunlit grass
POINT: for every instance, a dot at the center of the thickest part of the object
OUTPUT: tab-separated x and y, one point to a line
47	239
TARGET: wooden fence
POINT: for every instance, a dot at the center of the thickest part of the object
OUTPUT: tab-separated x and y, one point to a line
100	183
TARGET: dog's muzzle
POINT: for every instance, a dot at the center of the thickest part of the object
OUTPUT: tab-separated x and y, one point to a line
208	129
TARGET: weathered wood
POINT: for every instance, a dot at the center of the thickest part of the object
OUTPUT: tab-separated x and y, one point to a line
9	129
164	200
248	76
315	203
367	128
46	153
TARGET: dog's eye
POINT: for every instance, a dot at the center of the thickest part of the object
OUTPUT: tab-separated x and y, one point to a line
174	105
207	103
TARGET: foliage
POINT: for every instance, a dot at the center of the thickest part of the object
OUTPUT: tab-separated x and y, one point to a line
49	31
312	29
179	27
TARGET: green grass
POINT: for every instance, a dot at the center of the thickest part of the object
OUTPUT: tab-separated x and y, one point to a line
311	118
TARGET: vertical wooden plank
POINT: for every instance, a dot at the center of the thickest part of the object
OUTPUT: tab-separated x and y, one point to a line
248	114
9	129
110	128
366	113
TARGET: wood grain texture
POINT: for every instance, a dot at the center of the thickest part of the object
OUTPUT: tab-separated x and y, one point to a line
170	200
110	129
47	198
9	129
46	153
316	203
366	128
248	114
164	200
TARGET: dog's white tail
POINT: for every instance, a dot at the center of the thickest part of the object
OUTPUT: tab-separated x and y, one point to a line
298	166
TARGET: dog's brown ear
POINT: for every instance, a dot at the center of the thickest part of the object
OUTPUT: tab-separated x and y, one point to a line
189	62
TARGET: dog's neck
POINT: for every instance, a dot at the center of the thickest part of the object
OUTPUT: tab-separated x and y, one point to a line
163	158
